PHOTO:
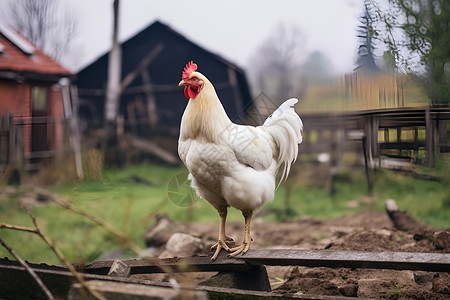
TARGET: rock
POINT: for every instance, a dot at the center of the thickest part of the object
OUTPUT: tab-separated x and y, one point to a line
402	220
424	279
442	240
119	269
349	290
390	205
182	245
160	233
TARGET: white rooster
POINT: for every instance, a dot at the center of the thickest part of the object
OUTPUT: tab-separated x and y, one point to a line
229	164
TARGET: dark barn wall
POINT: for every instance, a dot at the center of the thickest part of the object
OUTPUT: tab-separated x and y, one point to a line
163	73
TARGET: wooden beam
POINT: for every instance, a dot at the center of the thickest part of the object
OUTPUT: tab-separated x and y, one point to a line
148	146
13	279
141	66
151	101
430	138
436	262
185	264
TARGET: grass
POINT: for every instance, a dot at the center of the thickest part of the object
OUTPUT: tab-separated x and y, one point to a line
130	206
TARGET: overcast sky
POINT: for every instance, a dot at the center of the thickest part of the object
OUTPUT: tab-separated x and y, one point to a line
233	29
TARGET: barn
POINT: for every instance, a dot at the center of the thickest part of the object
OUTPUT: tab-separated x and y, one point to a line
151	101
31	102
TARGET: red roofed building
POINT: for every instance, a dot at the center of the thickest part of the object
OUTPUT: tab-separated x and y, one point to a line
29	91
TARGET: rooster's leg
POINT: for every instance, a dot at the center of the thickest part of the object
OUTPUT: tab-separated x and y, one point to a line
221	243
247	239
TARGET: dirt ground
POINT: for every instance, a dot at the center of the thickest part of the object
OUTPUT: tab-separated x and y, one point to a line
369	231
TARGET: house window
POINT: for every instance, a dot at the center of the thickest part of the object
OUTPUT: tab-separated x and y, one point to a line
39	101
39	112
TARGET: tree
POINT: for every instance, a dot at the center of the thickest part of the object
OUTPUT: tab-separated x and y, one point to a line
277	59
112	100
366	48
317	66
418	30
47	24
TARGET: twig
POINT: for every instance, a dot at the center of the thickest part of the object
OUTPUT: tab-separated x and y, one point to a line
58	253
28	269
17	227
122	236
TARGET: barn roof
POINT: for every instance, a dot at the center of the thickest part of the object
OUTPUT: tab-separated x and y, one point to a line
17	55
161	53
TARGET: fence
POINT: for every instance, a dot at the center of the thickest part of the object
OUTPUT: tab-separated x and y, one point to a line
25	142
397	132
11	143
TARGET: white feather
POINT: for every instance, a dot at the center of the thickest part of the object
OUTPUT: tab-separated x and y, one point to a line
285	127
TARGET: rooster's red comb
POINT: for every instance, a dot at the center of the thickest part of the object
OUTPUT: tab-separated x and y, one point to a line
190	67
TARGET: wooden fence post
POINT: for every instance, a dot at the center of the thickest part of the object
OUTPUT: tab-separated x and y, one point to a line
429	125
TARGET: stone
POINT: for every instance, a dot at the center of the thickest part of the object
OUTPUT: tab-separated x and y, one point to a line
159	234
424	279
119	269
390	205
349	290
182	245
442	240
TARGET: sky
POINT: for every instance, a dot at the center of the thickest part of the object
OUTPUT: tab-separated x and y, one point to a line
233	29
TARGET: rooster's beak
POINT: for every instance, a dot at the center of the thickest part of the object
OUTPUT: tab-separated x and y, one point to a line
181	83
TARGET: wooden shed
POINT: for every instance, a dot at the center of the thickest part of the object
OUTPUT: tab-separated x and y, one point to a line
31	106
151	101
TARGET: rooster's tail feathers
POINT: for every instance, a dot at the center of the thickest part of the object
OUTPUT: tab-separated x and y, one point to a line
285	126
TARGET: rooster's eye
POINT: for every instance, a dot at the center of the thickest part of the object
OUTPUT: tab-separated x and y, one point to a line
194	78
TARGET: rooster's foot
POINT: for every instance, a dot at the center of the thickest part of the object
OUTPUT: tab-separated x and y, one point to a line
238	250
221	244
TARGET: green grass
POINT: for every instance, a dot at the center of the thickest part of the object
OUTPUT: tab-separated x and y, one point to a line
130	207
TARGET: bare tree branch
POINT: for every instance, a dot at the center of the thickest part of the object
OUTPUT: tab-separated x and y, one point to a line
37	230
123	238
16	227
47	24
62	258
28	269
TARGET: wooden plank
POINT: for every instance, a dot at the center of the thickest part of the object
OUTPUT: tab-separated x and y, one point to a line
146	60
403	145
186	264
15	283
437	262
